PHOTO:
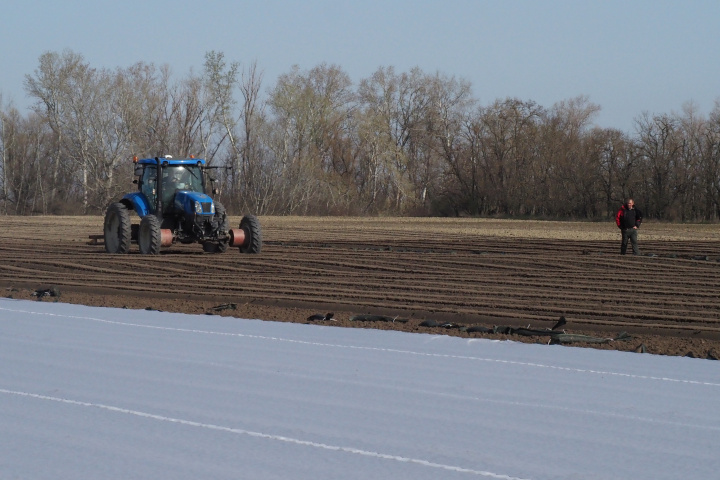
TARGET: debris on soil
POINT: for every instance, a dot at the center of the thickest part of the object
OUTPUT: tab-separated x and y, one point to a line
575	338
529	332
556	337
377	318
561	322
433	323
319	317
501	329
224	306
46	292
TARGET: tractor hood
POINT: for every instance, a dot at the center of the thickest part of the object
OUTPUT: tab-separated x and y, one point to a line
193	202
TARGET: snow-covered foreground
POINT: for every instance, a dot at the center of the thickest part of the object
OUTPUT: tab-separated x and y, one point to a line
90	393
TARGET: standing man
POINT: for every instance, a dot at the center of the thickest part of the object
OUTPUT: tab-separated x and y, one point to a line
628	220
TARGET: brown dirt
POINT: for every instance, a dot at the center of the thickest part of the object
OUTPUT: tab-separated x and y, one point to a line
460	272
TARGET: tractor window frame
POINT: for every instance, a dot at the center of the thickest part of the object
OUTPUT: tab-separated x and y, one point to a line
148	184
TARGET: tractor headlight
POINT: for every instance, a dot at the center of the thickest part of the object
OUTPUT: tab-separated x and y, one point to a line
204	208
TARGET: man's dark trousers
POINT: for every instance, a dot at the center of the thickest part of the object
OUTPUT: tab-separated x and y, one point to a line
629	234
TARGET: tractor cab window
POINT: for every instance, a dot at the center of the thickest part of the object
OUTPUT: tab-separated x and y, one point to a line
182	177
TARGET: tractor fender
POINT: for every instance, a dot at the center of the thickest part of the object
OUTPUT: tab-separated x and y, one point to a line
139	202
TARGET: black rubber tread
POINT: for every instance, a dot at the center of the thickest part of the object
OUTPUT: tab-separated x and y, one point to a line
253	234
221	217
117	229
149	239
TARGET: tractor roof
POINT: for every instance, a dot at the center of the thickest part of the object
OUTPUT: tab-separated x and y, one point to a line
172	161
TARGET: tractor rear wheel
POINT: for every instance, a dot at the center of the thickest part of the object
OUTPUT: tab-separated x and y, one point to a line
149	236
117	229
253	235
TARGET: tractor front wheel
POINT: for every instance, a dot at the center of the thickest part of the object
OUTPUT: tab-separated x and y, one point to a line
253	235
117	229
149	235
221	217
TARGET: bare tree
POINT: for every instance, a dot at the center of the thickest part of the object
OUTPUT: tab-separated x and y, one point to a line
311	112
51	85
395	135
3	160
507	149
659	149
612	152
249	181
24	162
709	165
573	174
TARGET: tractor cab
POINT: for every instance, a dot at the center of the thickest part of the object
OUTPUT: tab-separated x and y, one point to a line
176	179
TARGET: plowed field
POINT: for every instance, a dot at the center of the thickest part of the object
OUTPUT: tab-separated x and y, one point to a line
458	272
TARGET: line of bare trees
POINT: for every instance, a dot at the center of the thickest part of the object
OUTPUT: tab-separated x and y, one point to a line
397	143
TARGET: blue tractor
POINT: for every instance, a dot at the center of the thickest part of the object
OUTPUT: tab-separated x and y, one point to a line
173	206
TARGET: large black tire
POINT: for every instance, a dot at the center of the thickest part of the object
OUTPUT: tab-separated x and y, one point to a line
117	229
253	235
221	217
149	239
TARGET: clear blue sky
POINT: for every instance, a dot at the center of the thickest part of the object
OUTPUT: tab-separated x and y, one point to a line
627	56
